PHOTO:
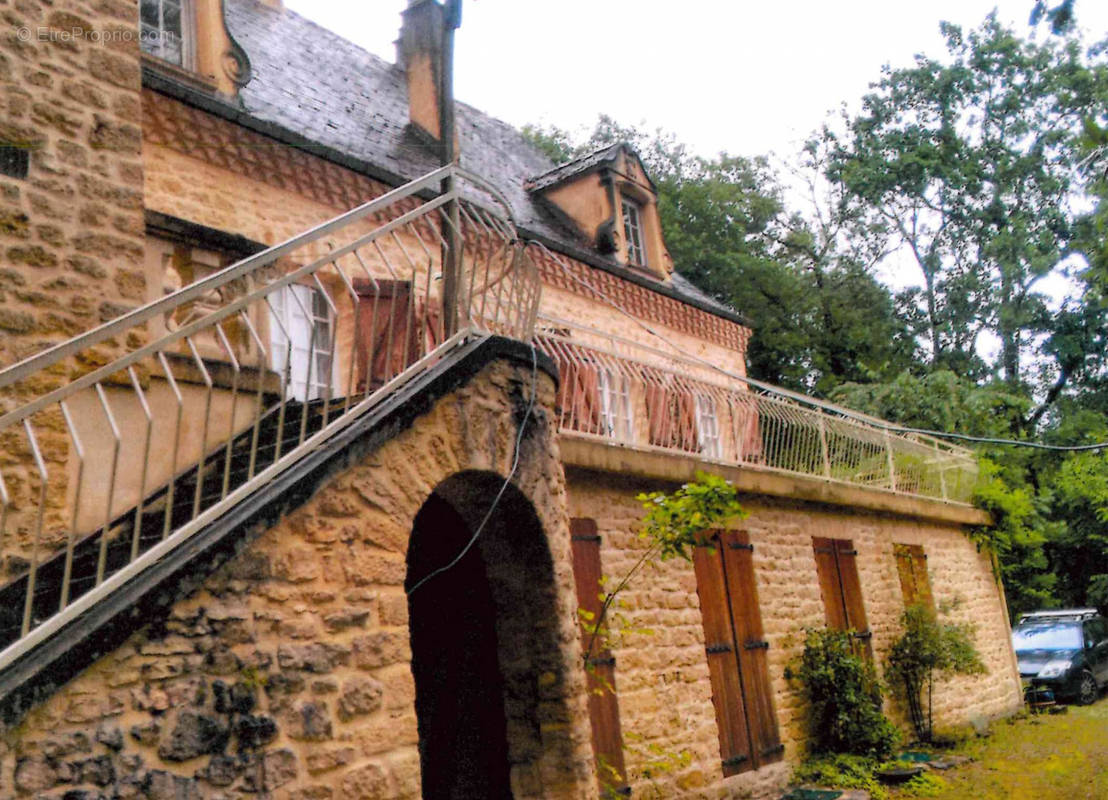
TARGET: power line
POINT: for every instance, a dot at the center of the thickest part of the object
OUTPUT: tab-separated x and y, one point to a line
503	486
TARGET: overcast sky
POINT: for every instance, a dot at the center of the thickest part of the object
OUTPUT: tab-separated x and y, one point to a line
741	76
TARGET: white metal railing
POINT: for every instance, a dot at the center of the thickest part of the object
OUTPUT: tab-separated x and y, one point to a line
117	445
626	393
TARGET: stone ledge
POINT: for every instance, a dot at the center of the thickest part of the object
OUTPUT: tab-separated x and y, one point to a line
678	467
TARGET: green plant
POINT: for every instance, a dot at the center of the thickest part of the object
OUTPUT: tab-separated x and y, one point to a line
929	648
844	696
841	771
673	525
926	784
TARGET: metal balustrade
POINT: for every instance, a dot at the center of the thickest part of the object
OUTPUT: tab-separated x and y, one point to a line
619	391
119	444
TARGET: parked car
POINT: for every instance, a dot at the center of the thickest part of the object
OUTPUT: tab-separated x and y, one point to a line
1065	651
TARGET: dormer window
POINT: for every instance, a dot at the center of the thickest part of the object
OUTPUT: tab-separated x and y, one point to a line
607	197
164	30
632	233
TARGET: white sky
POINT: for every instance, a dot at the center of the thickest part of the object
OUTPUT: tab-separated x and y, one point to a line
742	76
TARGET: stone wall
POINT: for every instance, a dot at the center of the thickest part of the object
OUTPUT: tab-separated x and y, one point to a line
665	697
288	672
71	232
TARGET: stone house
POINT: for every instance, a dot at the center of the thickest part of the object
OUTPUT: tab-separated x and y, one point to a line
311	451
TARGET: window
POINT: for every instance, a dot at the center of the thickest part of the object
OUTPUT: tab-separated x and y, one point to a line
607	738
736	650
164	29
300	332
707	426
632	232
615	404
837	568
915	584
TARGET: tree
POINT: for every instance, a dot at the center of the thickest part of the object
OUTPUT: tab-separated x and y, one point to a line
970	166
928	649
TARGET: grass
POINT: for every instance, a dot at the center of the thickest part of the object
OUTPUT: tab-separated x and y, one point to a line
1041	757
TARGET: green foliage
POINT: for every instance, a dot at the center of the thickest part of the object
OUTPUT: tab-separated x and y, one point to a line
969	167
841	771
928	649
844	696
1017	537
675	523
926	784
552	141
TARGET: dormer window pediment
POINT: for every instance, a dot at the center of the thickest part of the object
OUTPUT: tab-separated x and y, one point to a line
609	199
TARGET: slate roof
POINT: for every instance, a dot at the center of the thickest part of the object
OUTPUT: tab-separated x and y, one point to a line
319	86
570	169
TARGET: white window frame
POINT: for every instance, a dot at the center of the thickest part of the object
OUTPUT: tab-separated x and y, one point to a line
614	390
291	318
707	426
633	233
151	39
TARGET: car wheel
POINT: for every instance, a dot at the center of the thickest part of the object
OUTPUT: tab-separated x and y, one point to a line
1087	691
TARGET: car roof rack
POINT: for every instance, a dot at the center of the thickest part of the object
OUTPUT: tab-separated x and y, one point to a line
1060	614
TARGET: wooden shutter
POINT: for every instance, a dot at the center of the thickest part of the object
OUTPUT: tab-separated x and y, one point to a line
607	737
837	568
659	412
579	396
737	554
744	429
830	587
915	583
686	430
723	661
386	341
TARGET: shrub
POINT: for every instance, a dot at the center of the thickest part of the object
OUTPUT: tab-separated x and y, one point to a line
841	771
927	649
844	696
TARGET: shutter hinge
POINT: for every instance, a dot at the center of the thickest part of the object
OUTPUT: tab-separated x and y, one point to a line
585	538
734	761
607	661
713	649
741	546
773	750
824	550
756	644
848	552
864	635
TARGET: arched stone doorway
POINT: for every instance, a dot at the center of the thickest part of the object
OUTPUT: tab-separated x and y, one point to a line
484	640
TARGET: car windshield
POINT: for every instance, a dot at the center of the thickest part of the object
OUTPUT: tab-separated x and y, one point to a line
1047	636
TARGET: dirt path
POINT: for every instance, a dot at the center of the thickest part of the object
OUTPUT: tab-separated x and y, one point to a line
1045	757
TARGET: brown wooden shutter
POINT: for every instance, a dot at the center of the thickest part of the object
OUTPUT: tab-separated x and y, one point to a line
386	341
723	661
829	585
744	426
687	437
738	565
660	414
579	395
607	736
847	558
915	583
